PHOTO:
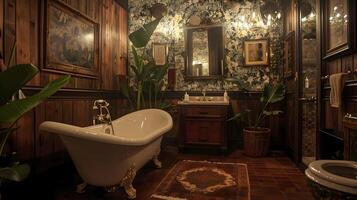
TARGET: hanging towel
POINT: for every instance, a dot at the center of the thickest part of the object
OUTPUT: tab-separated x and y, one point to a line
337	83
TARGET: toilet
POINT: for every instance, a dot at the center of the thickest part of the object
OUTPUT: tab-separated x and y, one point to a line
340	175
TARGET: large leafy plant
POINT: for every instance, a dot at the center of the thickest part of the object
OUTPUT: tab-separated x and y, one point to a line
11	81
271	94
148	78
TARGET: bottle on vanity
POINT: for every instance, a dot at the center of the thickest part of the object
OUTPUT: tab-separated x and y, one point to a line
186	97
225	96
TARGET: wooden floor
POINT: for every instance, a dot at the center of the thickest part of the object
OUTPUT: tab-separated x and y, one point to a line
274	177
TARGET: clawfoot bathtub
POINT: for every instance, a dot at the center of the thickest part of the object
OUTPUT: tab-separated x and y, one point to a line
112	160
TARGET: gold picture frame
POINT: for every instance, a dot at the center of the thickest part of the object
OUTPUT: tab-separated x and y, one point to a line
256	52
159	53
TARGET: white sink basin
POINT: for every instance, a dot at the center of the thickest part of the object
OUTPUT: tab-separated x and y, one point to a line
207	100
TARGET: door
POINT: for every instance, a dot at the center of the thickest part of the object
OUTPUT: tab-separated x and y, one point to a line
308	78
291	78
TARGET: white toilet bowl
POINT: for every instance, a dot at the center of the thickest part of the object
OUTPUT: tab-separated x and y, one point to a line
340	175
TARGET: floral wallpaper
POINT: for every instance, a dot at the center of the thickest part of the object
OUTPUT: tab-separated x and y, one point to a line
241	19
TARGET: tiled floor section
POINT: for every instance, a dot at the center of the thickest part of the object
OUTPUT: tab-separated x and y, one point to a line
271	178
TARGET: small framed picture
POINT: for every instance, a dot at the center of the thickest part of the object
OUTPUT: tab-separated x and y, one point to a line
256	52
159	53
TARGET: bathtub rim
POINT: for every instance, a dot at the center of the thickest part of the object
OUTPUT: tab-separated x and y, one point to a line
90	134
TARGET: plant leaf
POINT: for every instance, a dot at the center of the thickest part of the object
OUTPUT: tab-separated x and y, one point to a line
160	72
238	115
4	134
273	93
274	112
12	111
141	37
13	79
15	173
137	59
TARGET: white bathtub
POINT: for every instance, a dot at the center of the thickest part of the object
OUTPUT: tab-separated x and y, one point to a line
111	160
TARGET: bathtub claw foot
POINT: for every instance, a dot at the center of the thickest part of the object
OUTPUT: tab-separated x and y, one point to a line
157	162
81	188
127	182
111	189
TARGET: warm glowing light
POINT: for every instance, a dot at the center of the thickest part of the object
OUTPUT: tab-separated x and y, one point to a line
338	15
279	15
89	37
254	15
335	8
312	15
303	19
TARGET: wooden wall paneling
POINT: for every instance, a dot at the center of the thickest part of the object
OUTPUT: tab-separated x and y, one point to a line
22	19
9	27
329	118
123	43
82	112
40	112
67	118
347	63
1	27
25	147
23	40
27	34
355	61
116	42
333	67
53	112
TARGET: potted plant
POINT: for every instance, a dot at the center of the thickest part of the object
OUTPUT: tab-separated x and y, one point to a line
148	78
11	110
256	137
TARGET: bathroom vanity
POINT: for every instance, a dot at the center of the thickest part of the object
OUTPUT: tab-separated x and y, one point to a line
203	124
350	137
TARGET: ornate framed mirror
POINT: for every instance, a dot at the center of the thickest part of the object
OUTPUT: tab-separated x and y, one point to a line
204	48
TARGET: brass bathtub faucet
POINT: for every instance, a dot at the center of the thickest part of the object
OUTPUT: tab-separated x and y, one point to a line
102	118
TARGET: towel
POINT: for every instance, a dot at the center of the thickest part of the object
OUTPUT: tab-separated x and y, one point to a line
337	83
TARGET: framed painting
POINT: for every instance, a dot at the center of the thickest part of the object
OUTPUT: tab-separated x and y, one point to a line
159	53
338	27
71	41
289	55
256	52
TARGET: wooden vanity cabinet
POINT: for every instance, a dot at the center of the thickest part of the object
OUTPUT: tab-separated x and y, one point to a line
203	126
350	139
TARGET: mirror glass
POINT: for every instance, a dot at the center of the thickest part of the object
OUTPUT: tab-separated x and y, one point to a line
204	52
200	54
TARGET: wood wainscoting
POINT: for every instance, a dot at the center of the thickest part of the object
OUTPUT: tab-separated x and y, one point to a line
22	21
66	106
331	119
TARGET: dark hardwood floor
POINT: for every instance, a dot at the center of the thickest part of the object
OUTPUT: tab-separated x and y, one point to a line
274	177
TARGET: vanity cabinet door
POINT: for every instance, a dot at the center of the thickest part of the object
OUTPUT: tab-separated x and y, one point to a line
203	126
199	131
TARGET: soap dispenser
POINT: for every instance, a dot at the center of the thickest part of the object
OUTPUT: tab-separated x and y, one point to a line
307	82
225	95
186	97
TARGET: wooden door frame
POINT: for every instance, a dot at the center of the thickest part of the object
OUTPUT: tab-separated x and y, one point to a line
299	87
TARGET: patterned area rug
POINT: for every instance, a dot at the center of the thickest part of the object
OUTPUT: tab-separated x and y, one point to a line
203	180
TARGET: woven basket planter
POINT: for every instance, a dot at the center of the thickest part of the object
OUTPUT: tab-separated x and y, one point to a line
256	141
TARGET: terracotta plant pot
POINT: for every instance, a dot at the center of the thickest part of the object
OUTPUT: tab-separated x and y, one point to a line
256	141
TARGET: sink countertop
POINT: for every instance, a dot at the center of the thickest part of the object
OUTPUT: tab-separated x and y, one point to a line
209	100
